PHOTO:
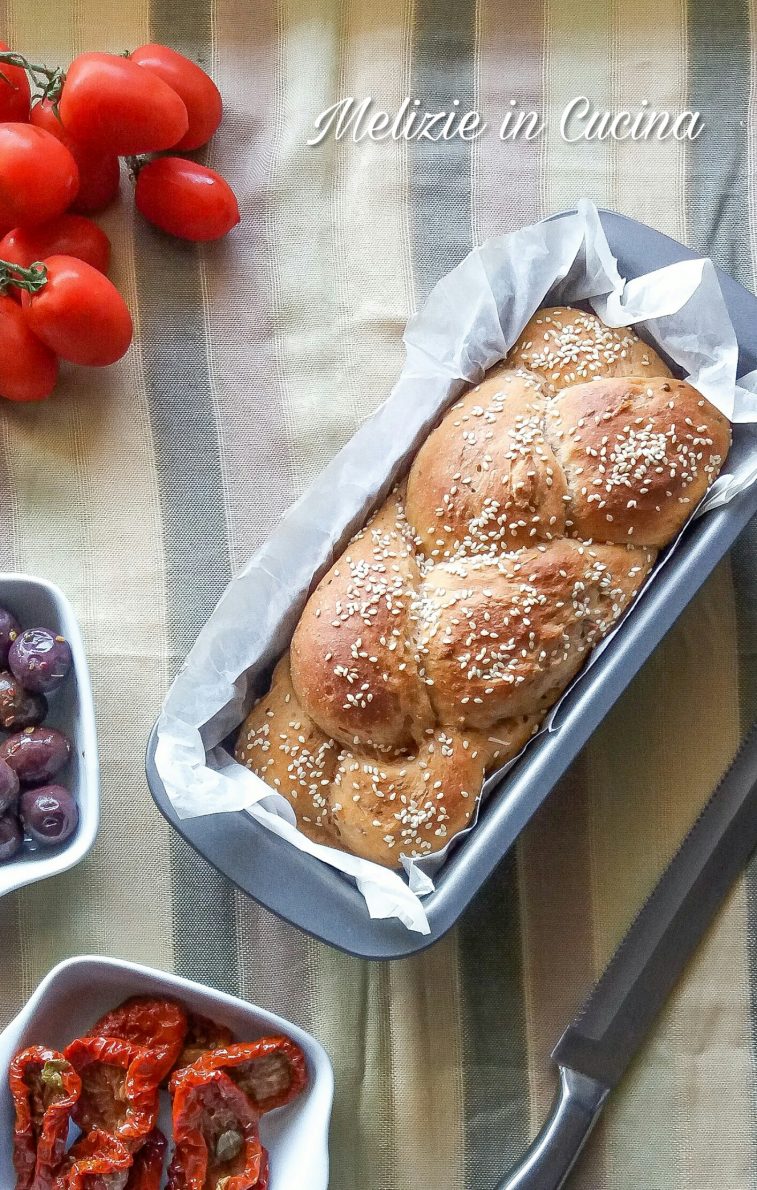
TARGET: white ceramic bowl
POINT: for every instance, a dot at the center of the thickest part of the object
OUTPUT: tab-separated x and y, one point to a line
38	604
75	993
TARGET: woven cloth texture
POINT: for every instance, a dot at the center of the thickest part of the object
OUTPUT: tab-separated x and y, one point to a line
141	488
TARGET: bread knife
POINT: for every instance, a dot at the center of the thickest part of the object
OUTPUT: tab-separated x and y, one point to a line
594	1052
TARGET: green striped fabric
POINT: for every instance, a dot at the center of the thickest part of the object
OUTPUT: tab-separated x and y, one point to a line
142	488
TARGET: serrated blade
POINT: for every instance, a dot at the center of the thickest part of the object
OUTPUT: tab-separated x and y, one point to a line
614	1020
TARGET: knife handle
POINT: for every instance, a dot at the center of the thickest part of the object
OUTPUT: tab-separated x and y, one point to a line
554	1151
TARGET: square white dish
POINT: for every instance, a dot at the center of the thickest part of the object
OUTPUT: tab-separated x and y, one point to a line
37	603
76	992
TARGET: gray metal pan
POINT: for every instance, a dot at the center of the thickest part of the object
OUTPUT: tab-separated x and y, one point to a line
326	904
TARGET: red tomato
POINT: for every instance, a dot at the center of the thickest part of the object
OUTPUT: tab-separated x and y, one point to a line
186	199
15	93
99	173
28	369
68	235
201	96
79	313
99	183
111	104
38	175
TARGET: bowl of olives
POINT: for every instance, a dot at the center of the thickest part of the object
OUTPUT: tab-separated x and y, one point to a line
49	777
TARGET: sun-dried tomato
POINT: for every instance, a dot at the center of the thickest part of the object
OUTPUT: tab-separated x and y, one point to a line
45	1088
216	1133
271	1071
147	1171
264	1169
119	1092
203	1034
158	1024
97	1161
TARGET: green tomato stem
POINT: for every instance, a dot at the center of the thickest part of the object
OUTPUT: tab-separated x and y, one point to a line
31	280
48	80
12	59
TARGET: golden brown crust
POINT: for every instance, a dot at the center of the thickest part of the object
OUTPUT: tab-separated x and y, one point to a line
564	346
431	650
409	805
372	804
503	740
503	636
638	456
283	745
354	665
486	479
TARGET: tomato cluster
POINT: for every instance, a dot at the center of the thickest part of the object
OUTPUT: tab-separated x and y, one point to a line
61	139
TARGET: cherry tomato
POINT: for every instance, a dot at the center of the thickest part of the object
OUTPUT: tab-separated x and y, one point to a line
15	93
79	313
201	96
186	199
99	173
111	104
28	369
68	235
100	181
38	175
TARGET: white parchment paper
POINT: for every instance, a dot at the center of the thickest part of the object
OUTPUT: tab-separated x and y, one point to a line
471	319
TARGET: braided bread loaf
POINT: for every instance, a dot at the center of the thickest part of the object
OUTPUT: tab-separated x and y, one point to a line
431	650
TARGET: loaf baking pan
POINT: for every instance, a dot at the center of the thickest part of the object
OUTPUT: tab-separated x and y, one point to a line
323	902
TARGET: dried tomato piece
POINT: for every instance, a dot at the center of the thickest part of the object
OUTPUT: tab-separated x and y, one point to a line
147	1171
271	1071
158	1024
119	1087
45	1088
264	1170
216	1133
96	1162
203	1034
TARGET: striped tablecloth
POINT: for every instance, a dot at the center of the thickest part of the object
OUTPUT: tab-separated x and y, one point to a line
140	489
